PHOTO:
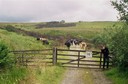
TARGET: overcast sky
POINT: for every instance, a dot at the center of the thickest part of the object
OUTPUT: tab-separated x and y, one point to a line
56	10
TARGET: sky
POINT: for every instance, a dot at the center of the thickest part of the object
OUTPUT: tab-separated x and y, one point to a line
56	10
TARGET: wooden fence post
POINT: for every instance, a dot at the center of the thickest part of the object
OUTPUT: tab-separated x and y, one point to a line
100	59
78	58
54	56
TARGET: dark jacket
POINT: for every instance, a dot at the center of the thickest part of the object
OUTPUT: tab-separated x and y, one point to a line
105	52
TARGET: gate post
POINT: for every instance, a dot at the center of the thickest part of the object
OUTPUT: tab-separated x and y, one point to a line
54	56
100	59
78	58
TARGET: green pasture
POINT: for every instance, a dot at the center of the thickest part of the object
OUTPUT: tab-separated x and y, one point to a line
82	30
98	24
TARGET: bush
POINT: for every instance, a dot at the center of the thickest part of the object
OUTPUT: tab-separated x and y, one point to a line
120	48
4	55
10	28
117	41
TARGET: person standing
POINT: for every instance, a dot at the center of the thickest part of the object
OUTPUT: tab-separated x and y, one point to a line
105	53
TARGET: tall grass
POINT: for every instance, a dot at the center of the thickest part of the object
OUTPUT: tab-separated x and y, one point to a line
46	75
13	75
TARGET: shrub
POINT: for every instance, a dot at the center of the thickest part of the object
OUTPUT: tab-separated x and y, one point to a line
4	55
117	41
10	28
120	48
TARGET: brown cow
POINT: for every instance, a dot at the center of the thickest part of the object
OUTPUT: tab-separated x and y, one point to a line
83	45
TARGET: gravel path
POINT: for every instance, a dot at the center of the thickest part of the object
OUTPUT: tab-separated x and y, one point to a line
85	76
99	77
81	76
73	76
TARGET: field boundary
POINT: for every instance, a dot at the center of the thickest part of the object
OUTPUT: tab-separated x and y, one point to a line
55	56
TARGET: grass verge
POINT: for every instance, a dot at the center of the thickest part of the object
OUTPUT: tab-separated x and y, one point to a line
13	75
46	75
116	76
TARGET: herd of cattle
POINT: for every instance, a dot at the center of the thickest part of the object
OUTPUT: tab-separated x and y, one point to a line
81	43
68	43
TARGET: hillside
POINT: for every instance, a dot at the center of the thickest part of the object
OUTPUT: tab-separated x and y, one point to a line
82	30
19	42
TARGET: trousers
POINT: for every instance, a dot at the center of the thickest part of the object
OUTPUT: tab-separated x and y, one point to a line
105	61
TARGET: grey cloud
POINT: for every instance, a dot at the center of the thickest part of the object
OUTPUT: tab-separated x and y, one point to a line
47	10
14	19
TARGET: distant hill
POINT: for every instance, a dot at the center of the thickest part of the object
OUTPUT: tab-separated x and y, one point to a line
54	24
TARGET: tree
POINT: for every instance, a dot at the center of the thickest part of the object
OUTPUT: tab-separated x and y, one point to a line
62	21
122	7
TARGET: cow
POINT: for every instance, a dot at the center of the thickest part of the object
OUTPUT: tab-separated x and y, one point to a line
77	42
68	43
44	40
83	45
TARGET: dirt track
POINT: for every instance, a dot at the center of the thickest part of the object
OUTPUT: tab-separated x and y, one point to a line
85	76
73	76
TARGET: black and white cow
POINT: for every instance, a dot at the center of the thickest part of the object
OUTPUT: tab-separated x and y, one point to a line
44	40
68	43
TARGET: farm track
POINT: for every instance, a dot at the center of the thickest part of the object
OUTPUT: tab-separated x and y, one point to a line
84	76
99	77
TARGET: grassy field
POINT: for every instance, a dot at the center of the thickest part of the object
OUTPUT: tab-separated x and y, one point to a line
83	30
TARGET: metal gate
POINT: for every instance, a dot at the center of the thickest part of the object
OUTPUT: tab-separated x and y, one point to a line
77	58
